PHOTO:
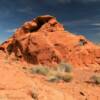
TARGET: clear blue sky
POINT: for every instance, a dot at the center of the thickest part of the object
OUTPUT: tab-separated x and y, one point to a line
78	16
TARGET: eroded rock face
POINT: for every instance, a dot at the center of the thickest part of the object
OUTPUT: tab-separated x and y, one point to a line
44	40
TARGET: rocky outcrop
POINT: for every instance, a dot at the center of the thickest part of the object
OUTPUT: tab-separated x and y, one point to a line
44	40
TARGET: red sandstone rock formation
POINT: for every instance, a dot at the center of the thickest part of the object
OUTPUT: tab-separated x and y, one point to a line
44	40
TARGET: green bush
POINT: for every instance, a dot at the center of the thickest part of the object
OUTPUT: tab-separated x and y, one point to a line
96	79
40	70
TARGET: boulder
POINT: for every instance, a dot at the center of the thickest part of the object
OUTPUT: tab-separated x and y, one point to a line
44	41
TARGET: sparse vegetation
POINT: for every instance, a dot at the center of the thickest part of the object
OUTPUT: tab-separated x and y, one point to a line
40	70
67	77
57	76
53	79
62	72
96	79
64	67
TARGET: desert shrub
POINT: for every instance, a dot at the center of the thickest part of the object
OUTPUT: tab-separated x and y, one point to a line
52	72
67	77
40	70
62	72
64	67
53	79
57	76
53	76
96	79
